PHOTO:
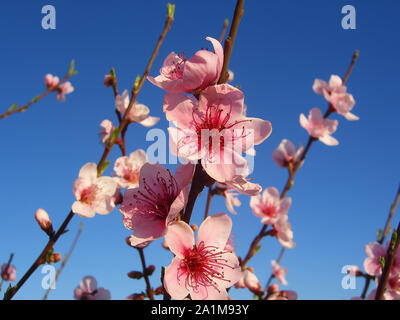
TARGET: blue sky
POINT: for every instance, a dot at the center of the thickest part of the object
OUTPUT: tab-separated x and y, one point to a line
341	195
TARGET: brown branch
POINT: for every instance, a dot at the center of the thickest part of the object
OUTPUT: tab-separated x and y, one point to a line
36	99
125	121
209	197
149	290
10	293
230	40
63	264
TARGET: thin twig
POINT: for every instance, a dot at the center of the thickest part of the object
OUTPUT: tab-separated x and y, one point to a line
149	290
224	28
67	256
230	40
36	99
209	197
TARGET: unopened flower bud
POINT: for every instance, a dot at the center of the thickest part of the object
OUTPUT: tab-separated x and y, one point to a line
44	221
8	272
150	269
273	288
135	274
108	80
55	257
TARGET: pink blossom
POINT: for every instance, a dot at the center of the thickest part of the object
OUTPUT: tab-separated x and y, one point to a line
269	206
127	169
375	252
63	90
335	93
93	195
230	196
108	81
87	290
44	221
181	75
106	131
8	272
149	208
283	232
286	153
139	112
205	269
249	280
51	81
279	272
319	128
215	130
243	185
393	287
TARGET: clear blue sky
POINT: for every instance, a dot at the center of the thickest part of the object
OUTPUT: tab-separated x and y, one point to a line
341	195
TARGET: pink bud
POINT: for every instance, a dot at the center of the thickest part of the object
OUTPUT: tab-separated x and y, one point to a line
44	221
273	288
51	81
108	80
55	257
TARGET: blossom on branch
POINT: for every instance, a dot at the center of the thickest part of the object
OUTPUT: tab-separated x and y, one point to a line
139	112
335	92
93	194
106	131
269	206
87	290
181	75
215	130
127	169
8	272
203	269
320	128
156	202
286	153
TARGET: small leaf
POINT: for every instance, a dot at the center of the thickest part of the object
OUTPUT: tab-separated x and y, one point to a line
72	70
65	231
171	10
382	261
137	81
104	166
257	248
379	234
393	240
14	106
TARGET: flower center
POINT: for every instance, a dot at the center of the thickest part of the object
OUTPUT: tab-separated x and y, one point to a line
131	176
158	196
208	126
203	265
88	195
173	69
269	210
